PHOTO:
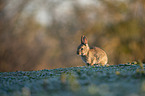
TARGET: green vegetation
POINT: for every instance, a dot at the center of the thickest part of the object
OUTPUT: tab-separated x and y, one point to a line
114	80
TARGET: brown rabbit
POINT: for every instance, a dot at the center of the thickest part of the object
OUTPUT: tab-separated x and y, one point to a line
89	55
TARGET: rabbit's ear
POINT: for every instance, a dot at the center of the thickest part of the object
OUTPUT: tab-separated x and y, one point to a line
84	40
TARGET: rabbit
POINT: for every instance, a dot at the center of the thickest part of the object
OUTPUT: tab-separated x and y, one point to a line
93	55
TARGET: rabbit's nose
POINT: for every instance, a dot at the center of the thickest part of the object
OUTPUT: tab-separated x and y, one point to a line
78	53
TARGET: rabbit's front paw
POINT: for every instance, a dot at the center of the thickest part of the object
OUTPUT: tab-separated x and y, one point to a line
88	64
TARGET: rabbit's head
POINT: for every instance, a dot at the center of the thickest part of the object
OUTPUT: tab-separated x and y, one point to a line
83	48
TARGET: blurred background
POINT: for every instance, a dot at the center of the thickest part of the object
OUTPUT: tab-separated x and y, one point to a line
45	34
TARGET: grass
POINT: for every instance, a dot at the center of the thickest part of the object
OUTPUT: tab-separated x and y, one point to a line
115	80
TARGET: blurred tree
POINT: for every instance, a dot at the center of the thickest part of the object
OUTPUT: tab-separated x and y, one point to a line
27	44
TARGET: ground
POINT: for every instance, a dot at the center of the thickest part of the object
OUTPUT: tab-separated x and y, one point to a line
115	80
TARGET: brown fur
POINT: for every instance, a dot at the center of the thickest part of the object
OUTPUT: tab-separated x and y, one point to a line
91	56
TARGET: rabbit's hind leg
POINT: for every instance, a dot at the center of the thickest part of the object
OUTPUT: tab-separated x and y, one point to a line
93	61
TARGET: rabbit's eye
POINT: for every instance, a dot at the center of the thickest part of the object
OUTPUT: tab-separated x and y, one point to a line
81	48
